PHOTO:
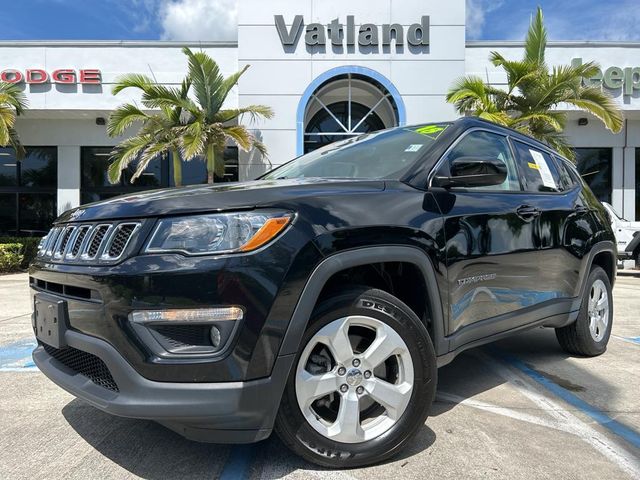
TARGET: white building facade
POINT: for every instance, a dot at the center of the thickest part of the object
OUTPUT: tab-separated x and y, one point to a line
329	69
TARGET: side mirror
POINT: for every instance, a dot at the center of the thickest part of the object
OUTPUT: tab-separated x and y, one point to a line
473	172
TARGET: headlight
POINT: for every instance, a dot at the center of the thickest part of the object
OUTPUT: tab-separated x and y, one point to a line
217	233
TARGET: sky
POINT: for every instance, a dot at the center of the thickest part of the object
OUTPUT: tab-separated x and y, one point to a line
217	19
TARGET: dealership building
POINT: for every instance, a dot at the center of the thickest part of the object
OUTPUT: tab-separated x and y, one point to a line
329	69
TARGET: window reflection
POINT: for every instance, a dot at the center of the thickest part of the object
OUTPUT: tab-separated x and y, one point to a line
28	190
594	165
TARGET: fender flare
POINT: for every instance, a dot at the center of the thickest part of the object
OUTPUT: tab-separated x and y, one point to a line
634	243
603	246
363	256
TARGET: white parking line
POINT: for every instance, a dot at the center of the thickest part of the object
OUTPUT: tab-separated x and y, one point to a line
570	423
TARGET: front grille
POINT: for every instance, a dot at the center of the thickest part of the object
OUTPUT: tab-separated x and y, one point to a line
85	364
87	243
96	240
120	239
77	244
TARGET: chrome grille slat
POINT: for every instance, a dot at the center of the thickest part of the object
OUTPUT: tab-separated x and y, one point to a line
78	241
120	240
94	246
62	245
89	242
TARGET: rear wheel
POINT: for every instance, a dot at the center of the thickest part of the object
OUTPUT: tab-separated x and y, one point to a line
589	334
363	381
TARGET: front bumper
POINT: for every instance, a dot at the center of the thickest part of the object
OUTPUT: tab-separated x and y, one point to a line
225	412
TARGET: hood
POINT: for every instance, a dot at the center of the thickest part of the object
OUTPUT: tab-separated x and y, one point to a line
214	198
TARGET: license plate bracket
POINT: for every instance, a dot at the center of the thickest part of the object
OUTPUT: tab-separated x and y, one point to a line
50	319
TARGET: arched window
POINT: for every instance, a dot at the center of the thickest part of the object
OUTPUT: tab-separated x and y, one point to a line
345	106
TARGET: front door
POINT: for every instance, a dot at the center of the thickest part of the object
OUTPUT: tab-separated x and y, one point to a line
490	245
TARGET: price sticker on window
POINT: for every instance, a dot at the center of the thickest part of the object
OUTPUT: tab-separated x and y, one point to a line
543	168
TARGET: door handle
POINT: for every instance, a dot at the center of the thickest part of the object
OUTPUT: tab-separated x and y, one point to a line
527	212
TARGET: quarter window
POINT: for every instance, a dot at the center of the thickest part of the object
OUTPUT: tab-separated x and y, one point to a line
538	170
487	144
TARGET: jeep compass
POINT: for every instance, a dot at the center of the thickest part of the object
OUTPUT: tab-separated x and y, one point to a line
319	300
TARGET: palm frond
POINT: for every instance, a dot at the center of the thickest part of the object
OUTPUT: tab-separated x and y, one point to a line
123	117
126	152
132	80
255	112
224	89
240	135
536	40
205	78
12	95
193	141
151	152
601	105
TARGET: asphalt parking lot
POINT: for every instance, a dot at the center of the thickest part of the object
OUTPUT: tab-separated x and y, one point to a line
520	408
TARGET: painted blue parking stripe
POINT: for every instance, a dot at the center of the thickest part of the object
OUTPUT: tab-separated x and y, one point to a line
239	462
599	416
16	356
635	340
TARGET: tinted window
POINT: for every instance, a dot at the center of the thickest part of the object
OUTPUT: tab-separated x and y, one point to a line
538	170
568	181
594	166
28	190
8	168
386	154
486	144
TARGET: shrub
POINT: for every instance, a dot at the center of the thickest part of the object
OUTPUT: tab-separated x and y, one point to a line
10	257
30	248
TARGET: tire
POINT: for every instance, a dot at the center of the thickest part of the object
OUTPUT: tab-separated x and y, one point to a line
589	334
321	429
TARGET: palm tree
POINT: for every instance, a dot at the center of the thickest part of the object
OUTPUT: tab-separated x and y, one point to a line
159	134
533	93
13	102
208	127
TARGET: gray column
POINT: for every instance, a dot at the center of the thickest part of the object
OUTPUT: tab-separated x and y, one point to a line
68	177
629	184
617	180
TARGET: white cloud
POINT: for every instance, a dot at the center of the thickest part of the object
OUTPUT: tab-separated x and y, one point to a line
476	15
199	20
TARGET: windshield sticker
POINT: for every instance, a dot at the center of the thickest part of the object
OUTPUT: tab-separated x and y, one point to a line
432	131
533	165
543	168
414	147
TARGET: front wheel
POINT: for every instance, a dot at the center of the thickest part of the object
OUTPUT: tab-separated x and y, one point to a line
363	381
589	334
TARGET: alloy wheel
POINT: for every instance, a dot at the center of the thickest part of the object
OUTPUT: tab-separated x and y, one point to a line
598	310
354	379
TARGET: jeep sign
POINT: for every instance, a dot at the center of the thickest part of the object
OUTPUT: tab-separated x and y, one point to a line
368	34
627	78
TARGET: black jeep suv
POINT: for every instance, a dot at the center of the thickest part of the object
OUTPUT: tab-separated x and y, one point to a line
320	299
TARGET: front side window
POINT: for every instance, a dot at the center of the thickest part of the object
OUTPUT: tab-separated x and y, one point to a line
538	170
486	144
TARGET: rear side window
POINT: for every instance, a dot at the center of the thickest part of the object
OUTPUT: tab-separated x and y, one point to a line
538	170
567	179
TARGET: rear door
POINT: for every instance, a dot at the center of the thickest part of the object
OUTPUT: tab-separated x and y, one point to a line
490	248
562	224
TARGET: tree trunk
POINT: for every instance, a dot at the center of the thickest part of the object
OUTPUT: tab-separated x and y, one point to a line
177	168
211	163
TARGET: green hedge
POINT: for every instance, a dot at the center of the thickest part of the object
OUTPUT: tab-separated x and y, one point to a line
10	257
30	248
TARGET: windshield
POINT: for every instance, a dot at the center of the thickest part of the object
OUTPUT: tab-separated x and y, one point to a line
386	154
